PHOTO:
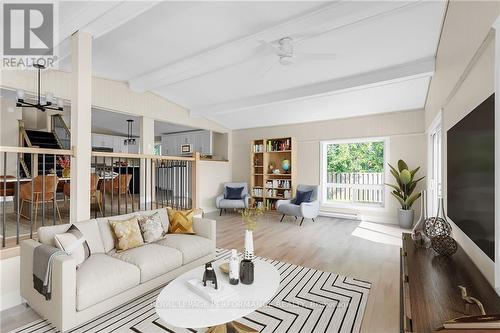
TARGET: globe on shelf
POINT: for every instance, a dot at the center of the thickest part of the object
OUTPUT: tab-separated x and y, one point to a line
285	165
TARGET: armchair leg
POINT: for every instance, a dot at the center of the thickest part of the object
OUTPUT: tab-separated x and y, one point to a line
220	213
295	217
282	218
301	221
313	220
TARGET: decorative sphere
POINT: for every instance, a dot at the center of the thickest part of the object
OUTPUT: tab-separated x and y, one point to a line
444	245
436	227
285	165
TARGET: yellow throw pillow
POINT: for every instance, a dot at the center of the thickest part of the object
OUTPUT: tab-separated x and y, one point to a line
128	234
181	221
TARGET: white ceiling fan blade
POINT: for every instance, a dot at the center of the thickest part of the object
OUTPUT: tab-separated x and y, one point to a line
316	56
268	47
266	65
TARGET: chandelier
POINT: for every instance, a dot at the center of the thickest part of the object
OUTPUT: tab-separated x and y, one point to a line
43	103
129	140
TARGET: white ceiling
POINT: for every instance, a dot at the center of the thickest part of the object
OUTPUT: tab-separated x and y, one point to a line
208	56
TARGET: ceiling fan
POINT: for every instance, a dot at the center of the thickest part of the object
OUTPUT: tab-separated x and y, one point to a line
284	49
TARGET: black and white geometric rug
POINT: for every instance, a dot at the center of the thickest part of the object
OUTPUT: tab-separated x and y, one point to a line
308	301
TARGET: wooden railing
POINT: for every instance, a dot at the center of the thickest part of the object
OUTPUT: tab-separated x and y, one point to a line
146	181
355	188
120	184
22	198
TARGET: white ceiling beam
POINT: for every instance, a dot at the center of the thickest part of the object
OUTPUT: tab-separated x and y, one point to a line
419	68
338	15
98	19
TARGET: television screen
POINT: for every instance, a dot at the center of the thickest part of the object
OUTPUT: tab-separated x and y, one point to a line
471	175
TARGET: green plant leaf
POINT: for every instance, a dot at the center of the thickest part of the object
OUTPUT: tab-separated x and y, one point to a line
411	188
393	169
397	188
399	194
414	171
416	181
401	201
402	165
410	200
405	177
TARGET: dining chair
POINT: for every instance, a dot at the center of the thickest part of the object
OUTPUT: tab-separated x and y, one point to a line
33	193
118	185
95	194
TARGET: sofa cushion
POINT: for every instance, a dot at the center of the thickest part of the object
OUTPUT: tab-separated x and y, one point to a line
152	259
74	244
101	277
290	209
162	214
151	228
191	246
107	236
127	234
233	193
226	203
90	230
181	221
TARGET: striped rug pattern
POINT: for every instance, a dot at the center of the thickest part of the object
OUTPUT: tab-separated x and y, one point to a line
308	301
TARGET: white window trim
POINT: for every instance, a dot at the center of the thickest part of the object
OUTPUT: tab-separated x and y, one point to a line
435	126
323	175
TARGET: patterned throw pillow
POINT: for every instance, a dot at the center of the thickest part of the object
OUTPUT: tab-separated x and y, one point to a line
181	221
74	244
151	227
128	234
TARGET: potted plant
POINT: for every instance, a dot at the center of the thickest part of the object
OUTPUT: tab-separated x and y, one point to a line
403	192
65	163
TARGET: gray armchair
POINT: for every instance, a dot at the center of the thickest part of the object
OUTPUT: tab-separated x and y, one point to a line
308	210
223	204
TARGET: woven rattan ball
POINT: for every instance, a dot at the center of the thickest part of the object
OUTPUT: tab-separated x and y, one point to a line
444	245
437	227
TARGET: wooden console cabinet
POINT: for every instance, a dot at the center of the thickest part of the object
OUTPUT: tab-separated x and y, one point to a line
429	289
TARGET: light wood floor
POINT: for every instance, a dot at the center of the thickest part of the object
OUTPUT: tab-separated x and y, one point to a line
363	250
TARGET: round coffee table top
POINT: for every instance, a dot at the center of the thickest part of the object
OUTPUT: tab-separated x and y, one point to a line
178	306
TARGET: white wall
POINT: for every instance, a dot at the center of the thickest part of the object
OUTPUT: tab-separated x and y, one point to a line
404	130
10	283
464	77
212	174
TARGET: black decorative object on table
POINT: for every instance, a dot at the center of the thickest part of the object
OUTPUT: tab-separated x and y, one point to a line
246	271
444	245
209	275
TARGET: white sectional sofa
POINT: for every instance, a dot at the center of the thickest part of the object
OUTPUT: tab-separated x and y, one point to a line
108	279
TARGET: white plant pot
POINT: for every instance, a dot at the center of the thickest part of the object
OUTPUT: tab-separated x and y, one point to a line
405	218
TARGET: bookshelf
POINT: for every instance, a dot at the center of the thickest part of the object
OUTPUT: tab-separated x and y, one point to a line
269	182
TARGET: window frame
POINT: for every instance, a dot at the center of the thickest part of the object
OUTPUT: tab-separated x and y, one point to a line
324	172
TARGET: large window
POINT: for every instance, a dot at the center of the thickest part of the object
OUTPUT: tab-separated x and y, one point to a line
353	172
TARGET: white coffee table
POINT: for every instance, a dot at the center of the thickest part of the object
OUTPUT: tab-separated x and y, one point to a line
178	306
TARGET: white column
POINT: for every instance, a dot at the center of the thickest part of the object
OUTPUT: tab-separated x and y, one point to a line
81	101
147	142
496	26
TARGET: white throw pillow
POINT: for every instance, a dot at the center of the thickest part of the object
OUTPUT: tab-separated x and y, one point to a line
151	228
74	244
